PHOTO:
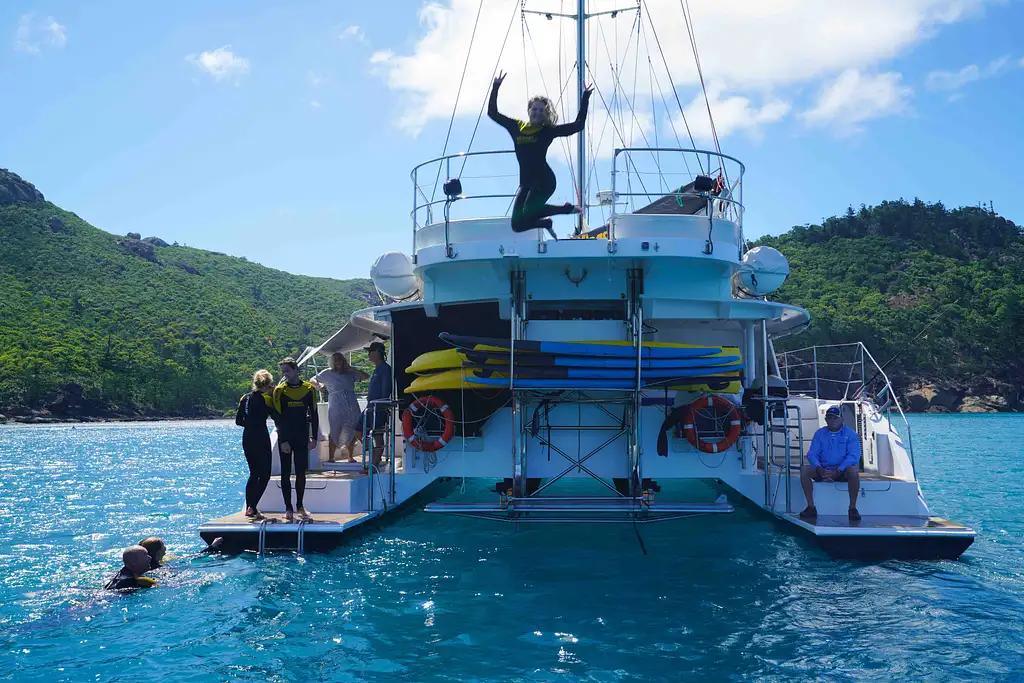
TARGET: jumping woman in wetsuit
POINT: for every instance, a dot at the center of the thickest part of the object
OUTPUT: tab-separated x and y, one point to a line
532	139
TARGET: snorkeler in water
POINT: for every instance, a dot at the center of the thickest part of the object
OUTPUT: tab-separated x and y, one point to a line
532	139
136	563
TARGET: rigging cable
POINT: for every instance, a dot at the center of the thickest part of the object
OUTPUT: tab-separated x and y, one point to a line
483	104
458	95
629	161
688	18
675	92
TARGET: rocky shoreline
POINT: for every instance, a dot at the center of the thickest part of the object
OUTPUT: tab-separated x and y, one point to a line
980	395
70	405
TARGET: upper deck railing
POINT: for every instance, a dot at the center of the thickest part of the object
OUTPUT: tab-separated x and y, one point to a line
843	372
640	176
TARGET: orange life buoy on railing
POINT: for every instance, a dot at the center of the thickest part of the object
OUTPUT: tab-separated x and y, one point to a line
732	434
415	432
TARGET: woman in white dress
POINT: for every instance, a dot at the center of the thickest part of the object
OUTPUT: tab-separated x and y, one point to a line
342	407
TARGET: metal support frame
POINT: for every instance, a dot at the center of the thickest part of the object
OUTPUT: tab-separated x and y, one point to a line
517	284
635	288
767	413
620	429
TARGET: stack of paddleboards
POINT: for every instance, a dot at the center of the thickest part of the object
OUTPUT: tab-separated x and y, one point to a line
484	362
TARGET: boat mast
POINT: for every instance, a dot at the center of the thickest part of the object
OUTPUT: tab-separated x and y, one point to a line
581	18
581	138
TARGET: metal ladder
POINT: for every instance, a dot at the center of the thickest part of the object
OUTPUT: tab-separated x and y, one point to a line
300	542
786	434
261	539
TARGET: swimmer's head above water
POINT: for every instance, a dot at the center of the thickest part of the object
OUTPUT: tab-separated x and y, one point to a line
156	549
136	559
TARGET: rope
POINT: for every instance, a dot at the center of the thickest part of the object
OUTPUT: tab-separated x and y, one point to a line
458	95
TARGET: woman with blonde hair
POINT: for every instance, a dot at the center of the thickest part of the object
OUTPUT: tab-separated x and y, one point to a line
253	410
532	139
342	407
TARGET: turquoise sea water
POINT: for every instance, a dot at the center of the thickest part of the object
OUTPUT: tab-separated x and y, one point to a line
436	598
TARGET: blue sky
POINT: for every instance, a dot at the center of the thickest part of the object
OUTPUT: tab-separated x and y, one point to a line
285	132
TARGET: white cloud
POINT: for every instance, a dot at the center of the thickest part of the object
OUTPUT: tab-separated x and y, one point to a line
31	35
853	98
57	33
753	49
316	79
315	104
732	114
952	81
354	32
222	64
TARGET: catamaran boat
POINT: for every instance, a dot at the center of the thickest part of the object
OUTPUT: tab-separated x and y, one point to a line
588	377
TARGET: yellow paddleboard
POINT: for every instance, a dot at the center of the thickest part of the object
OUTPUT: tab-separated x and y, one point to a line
447	359
447	379
453	379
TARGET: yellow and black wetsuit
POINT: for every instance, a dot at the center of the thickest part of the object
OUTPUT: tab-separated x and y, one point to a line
253	410
297	425
536	179
125	579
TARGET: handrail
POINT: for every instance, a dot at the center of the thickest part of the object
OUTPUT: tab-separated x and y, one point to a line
711	199
860	355
731	209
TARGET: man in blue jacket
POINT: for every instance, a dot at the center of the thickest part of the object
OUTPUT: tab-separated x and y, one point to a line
834	456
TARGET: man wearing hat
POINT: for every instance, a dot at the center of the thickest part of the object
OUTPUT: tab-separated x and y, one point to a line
834	456
375	417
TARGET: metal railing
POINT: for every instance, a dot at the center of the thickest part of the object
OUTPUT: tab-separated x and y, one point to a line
846	373
727	205
370	430
729	201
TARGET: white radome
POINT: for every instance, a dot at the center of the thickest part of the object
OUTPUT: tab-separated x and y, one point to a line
764	270
392	274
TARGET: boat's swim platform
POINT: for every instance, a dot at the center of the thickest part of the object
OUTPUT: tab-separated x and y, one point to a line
887	536
323	532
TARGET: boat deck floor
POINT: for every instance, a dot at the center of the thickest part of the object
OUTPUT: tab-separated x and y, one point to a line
238	519
879	522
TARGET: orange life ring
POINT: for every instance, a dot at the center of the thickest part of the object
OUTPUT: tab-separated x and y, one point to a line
415	432
731	435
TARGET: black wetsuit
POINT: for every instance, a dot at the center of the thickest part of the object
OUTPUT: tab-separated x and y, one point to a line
297	425
125	579
536	179
253	410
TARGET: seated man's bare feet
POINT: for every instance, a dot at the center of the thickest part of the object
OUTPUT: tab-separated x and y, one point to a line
289	516
304	513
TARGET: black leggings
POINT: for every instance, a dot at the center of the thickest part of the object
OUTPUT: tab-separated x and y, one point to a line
301	456
530	203
258	455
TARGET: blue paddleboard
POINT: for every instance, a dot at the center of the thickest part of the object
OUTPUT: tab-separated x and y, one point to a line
580	349
551	360
569	383
600	373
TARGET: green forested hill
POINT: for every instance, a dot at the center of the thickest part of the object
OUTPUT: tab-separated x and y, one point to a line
144	327
882	273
